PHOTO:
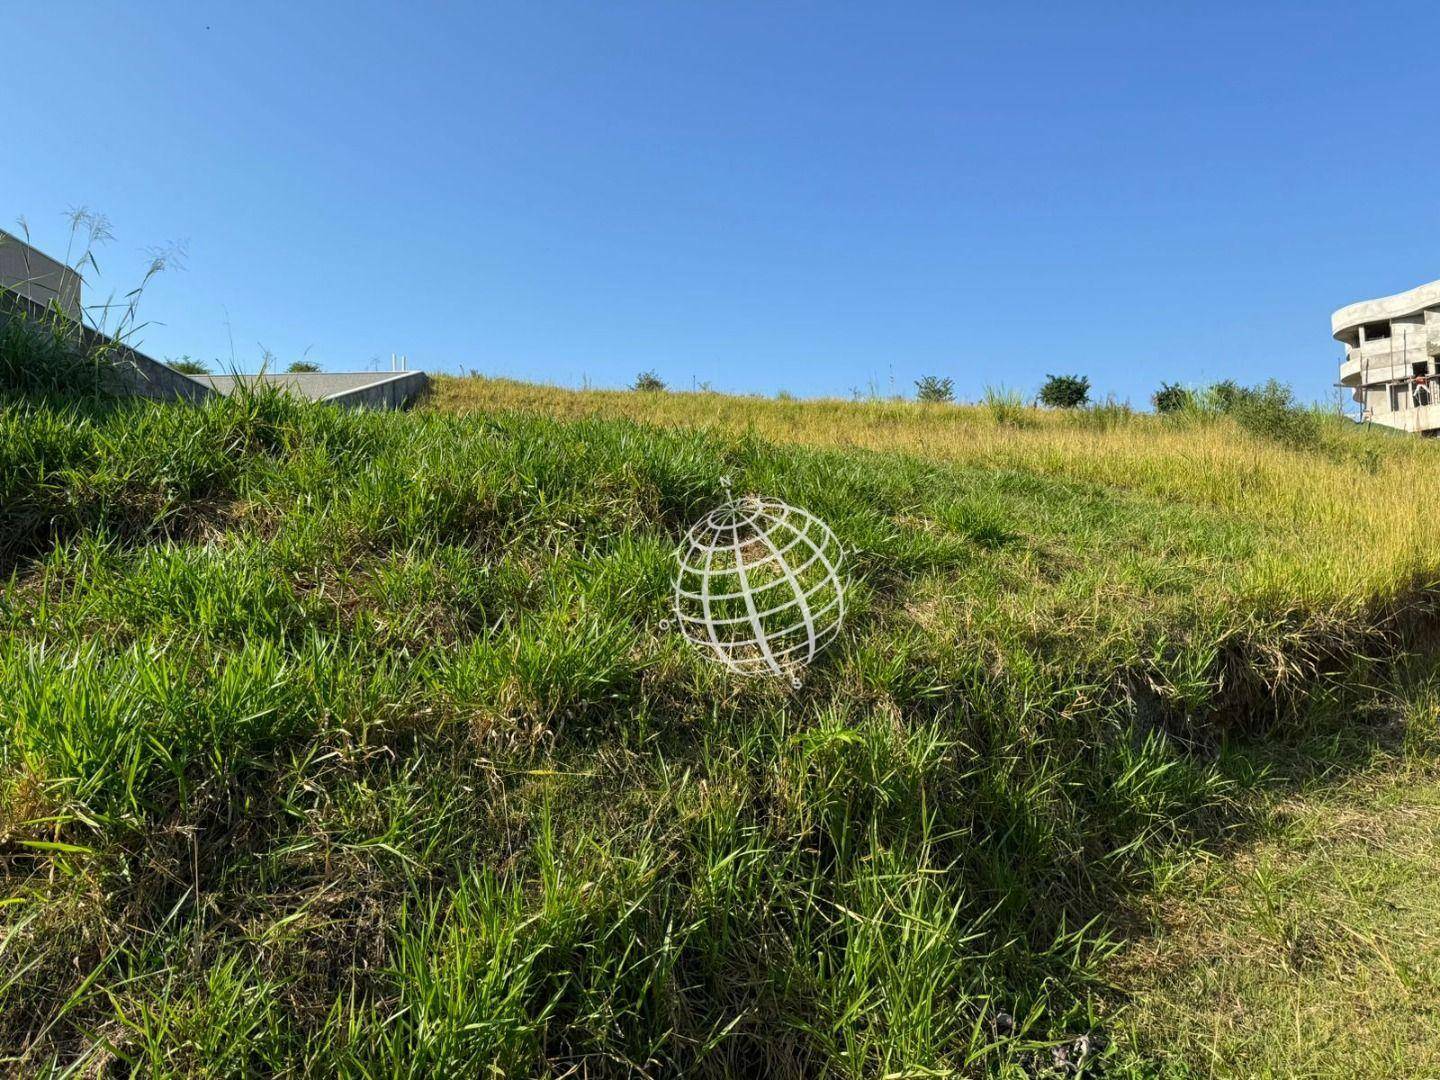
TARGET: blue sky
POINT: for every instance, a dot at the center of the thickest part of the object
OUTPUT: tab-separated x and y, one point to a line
804	197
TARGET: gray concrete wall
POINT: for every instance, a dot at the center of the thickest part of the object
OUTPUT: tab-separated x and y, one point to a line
1384	309
349	389
133	374
130	373
37	277
30	281
395	392
136	375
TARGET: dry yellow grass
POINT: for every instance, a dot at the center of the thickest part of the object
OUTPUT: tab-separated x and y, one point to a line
1346	525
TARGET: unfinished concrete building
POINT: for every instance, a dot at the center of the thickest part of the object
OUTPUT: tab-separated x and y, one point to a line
1390	363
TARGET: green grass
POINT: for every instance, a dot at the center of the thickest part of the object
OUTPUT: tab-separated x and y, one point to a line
1308	947
353	744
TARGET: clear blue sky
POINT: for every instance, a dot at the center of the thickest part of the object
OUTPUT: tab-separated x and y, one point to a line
763	196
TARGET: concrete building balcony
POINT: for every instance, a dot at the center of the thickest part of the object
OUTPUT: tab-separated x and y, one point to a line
1363	370
1399	344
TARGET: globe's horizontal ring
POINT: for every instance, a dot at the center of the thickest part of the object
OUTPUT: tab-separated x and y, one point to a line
729	549
758	662
726	518
818	556
796	596
827	536
761	615
801	537
695	538
825	541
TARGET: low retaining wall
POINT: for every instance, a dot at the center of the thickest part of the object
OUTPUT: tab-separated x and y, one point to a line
392	393
133	374
348	389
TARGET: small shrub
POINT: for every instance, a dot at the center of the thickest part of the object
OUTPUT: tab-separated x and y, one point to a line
300	367
1225	396
1269	410
1065	391
934	389
186	366
1172	398
648	382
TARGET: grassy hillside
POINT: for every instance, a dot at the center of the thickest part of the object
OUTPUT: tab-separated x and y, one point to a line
354	744
1337	515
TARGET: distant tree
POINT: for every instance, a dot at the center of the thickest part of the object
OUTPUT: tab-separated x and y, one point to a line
1065	391
1171	398
934	388
186	366
303	366
648	381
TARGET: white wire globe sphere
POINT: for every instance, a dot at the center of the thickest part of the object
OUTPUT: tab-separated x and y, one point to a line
759	587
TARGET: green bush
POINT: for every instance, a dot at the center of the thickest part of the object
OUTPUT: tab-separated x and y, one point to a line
648	382
1172	398
1225	396
933	388
1269	410
300	367
1065	391
186	366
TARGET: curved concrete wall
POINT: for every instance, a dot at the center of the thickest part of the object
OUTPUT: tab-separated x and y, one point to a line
1385	308
1376	373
